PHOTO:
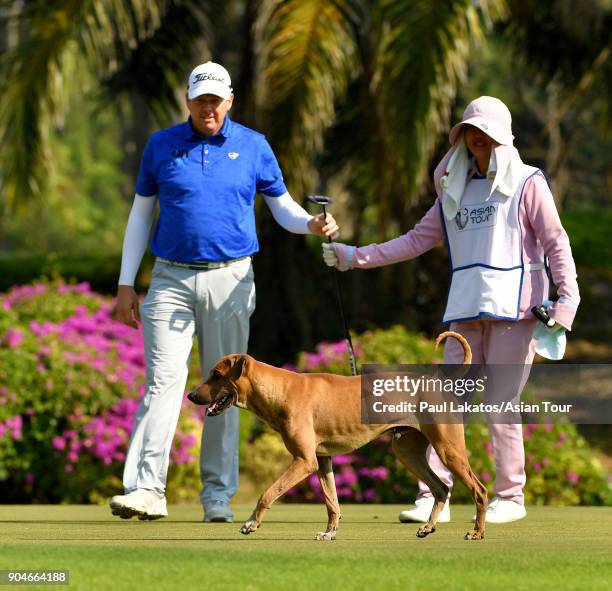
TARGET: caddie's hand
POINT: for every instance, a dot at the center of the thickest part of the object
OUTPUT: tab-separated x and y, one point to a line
329	255
321	226
338	255
126	307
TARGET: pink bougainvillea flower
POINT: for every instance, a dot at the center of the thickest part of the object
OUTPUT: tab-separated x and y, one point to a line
13	337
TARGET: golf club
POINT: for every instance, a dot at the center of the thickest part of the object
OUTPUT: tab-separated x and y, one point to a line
322	201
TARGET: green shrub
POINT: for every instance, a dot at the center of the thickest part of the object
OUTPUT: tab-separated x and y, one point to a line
99	270
392	346
268	459
70	381
589	232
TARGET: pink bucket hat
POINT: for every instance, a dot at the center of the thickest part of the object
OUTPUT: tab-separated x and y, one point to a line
490	115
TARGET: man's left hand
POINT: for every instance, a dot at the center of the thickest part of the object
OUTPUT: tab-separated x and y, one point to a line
321	226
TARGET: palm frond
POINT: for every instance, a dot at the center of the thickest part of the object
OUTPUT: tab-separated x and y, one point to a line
160	63
27	73
561	37
35	68
566	41
309	59
425	47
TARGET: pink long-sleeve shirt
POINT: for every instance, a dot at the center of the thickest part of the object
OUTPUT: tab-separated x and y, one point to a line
542	233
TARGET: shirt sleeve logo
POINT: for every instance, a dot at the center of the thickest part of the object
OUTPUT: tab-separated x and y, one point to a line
233	155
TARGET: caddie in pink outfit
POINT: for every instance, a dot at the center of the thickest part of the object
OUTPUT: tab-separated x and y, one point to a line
499	221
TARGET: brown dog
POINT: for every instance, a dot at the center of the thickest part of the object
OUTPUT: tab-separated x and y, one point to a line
319	416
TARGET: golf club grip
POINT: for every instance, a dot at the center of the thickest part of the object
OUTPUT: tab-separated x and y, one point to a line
329	238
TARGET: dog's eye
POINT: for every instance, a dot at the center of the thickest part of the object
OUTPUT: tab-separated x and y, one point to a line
217	374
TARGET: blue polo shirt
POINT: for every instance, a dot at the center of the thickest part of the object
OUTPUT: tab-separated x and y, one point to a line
206	189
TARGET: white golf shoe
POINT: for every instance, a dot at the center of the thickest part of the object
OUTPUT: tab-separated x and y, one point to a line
145	504
503	511
422	510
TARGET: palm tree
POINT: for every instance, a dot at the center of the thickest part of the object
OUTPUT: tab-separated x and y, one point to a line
364	91
361	90
389	70
569	82
357	90
55	47
383	75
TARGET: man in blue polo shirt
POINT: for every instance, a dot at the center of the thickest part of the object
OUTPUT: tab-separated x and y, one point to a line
204	174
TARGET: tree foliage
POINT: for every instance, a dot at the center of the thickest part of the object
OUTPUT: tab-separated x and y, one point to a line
403	60
53	47
355	96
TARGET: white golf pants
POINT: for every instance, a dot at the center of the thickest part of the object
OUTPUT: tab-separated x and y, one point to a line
214	305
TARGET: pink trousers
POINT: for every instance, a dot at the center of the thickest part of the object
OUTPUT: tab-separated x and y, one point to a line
494	342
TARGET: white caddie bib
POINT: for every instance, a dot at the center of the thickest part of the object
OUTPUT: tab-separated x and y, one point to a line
486	252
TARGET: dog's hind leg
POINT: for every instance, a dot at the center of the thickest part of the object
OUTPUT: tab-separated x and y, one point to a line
481	500
328	485
449	443
410	447
300	468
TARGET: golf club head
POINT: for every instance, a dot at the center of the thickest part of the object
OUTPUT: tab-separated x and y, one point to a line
319	199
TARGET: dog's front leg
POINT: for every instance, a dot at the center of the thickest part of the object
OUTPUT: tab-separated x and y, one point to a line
328	485
300	468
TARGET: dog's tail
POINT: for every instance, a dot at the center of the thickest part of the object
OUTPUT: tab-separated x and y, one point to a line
467	351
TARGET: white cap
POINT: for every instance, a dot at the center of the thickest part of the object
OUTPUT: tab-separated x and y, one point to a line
209	78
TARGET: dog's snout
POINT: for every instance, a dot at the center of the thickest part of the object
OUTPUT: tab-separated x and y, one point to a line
192	396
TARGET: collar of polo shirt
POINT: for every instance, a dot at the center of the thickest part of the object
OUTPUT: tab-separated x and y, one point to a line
225	131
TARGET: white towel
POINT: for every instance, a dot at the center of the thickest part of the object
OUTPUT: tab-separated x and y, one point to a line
505	171
453	182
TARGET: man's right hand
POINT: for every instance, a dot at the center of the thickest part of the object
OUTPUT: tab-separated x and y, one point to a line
127	306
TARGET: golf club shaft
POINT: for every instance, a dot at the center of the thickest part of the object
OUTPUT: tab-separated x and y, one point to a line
347	334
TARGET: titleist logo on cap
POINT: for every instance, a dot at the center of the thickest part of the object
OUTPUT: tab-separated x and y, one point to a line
208	76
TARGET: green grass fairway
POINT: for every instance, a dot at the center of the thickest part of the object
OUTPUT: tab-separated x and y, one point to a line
553	548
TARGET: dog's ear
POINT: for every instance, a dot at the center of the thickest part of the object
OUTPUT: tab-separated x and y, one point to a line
239	367
225	366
